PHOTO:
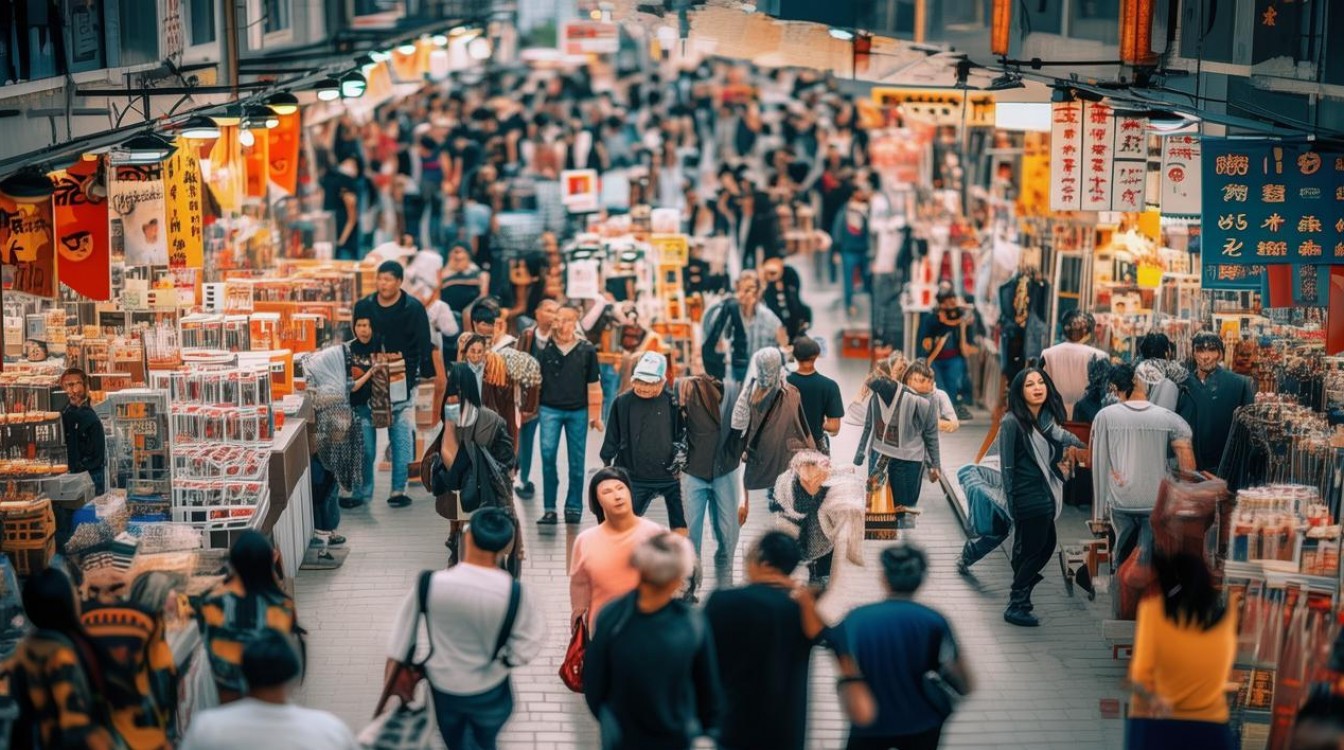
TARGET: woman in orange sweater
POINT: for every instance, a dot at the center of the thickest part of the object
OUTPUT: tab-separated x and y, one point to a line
1184	646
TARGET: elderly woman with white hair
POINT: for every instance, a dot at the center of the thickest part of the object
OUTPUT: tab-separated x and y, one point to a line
769	413
823	507
650	676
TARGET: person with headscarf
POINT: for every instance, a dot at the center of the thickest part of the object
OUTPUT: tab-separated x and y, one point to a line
823	508
475	458
769	414
1156	349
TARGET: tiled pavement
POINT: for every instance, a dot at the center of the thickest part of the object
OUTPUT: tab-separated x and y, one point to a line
1037	688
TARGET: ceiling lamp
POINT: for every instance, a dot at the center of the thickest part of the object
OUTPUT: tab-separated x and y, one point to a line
261	118
843	35
230	115
380	55
440	40
283	103
406	48
353	85
479	48
199	128
28	185
1001	28
146	148
328	89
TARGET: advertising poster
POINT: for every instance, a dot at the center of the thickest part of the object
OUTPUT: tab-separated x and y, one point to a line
26	247
580	188
283	152
82	238
1181	178
182	179
135	195
1272	202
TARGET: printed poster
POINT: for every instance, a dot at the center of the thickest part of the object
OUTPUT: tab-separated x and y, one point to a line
186	206
1181	176
26	247
579	190
82	239
135	195
583	280
283	152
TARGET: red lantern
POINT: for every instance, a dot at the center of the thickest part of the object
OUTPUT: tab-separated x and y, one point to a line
1001	27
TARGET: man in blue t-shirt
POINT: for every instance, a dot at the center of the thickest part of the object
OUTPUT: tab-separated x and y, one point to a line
889	647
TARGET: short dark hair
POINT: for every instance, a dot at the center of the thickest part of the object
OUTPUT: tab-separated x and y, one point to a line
270	660
1155	345
806	349
917	367
393	267
602	475
75	371
491	529
778	551
904	565
484	312
946	294
1207	340
1122	377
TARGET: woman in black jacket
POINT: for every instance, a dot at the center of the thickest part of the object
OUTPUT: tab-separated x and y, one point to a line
1035	453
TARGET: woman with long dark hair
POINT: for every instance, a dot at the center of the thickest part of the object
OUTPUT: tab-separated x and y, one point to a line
246	603
1184	646
600	569
56	673
1034	452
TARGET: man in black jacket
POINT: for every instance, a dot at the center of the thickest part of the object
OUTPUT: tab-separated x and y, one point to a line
85	443
400	323
644	436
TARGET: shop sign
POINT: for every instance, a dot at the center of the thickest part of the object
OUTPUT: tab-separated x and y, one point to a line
1098	156
1271	202
580	188
1181	175
81	231
590	38
283	151
185	204
582	279
135	194
1311	286
1228	278
26	247
1129	176
943	107
671	249
1066	156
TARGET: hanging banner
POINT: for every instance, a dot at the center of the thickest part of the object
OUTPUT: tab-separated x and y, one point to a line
227	170
186	205
1311	286
81	221
1131	137
135	195
1099	163
1271	202
1232	278
939	106
257	161
1181	176
1129	175
26	247
283	152
1066	156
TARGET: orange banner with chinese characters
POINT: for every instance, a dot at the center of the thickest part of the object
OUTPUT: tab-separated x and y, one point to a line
184	200
82	240
258	167
26	246
283	153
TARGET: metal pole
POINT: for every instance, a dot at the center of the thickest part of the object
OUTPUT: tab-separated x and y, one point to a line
231	45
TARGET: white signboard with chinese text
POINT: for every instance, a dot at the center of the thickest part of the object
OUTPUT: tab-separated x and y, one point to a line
1181	175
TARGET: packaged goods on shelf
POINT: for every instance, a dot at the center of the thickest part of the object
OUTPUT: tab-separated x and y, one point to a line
29	533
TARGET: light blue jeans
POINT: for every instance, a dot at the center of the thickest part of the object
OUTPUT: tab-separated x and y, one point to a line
719	498
610	378
402	437
575	425
527	442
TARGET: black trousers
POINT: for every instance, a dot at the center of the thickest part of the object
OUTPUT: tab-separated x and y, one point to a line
670	491
1033	546
922	741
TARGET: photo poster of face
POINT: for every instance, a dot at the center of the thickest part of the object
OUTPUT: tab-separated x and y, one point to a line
80	201
138	214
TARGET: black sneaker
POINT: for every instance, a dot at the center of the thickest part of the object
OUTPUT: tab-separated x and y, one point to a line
335	540
964	414
399	500
962	568
349	503
548	519
525	491
573	518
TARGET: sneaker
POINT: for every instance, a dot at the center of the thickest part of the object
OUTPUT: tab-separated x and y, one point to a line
964	414
573	518
1020	617
525	491
548	519
399	500
962	568
349	503
335	540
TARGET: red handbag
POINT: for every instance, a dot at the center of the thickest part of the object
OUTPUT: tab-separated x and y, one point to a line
571	669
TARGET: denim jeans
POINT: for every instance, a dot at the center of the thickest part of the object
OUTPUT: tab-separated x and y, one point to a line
575	425
719	498
402	437
610	378
1131	528
903	477
527	443
950	375
670	491
326	510
849	262
473	722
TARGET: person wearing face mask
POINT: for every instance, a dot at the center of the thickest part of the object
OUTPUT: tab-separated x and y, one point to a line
1210	398
945	339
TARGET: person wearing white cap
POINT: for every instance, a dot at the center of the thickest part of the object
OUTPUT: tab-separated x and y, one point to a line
646	436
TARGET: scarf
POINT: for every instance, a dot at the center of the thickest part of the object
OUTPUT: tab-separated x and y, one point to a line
761	387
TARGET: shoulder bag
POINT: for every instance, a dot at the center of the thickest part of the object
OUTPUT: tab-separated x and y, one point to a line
407	725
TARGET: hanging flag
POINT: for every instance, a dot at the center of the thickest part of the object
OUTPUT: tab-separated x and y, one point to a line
81	222
26	246
227	170
1066	156
1181	175
135	195
283	152
186	206
258	167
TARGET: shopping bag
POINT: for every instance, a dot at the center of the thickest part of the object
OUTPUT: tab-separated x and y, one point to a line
571	669
405	726
880	521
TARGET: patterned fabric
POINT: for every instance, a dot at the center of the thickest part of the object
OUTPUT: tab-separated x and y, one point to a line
340	441
56	698
230	618
138	656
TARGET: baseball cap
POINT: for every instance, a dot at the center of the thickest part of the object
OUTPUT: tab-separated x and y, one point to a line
652	368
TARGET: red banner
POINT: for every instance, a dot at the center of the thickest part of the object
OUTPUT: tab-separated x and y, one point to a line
26	246
258	166
82	230
283	146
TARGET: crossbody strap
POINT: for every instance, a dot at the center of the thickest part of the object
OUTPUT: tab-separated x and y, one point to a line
422	613
510	615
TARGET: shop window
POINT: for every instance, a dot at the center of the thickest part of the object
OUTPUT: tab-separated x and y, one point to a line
270	22
85	32
1334	53
959	15
201	22
34	38
1097	20
277	16
1208	30
1042	16
138	31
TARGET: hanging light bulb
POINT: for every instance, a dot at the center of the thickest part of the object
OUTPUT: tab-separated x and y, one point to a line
246	138
440	40
200	128
261	118
283	103
328	89
380	55
353	85
406	48
479	48
843	35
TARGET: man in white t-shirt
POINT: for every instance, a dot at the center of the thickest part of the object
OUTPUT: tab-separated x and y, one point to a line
265	717
1067	362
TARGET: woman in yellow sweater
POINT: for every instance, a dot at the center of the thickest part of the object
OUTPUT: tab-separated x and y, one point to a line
1183	651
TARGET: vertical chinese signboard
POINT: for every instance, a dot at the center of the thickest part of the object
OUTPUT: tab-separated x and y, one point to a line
185	204
1269	202
82	230
26	246
1066	156
1129	175
1099	147
1098	160
1181	175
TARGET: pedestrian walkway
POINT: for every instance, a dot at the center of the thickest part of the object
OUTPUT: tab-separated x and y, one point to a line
1036	688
